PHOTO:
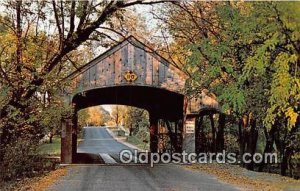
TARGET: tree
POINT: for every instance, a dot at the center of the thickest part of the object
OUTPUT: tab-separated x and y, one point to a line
97	116
118	114
248	55
38	49
136	120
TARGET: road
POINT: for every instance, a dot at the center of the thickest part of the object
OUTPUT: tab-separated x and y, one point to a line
129	177
98	142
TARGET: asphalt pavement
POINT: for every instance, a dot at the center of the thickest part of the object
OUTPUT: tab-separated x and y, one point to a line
93	177
98	141
137	178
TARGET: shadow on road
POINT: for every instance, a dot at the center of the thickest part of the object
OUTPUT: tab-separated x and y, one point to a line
88	158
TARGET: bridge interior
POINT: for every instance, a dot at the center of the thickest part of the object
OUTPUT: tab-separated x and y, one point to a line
160	103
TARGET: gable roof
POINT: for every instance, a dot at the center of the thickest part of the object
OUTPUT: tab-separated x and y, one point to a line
132	40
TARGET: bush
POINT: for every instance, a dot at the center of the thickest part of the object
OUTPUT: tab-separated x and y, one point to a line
295	166
231	143
18	159
121	133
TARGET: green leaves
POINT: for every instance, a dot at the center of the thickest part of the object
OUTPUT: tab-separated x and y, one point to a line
4	95
254	66
233	99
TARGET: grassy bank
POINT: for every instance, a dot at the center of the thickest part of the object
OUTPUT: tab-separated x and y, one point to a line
50	148
137	142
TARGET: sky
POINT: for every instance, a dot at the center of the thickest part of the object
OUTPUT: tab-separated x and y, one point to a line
107	108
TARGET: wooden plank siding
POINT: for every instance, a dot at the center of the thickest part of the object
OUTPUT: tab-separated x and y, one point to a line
108	69
149	69
118	66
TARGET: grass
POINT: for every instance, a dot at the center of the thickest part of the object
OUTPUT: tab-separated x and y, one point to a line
50	148
137	142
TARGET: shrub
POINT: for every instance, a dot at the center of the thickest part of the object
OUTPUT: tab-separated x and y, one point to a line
18	159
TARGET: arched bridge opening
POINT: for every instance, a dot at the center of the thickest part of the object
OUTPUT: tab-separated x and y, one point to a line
131	73
162	106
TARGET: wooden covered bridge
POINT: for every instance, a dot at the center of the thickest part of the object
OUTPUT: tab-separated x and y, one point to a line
131	73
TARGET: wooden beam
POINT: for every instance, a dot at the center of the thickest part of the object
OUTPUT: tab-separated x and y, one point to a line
66	141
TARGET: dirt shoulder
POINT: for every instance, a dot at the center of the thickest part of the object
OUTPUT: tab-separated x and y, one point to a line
247	180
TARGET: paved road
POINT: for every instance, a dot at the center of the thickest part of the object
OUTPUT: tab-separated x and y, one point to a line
121	177
137	178
98	142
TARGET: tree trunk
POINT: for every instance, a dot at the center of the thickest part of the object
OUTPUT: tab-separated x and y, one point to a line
241	140
288	151
51	137
284	162
213	132
220	133
199	136
269	143
252	141
172	136
130	130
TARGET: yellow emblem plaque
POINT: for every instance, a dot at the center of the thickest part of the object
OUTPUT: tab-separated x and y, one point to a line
130	76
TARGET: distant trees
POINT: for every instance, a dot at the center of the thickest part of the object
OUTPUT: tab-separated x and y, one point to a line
118	114
136	120
95	116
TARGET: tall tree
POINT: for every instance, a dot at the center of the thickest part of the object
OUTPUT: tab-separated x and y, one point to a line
118	114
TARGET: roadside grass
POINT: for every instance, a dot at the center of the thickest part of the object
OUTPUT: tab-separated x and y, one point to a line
50	148
137	142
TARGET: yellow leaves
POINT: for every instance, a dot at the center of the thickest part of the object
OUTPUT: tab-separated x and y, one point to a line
284	92
293	58
236	175
95	116
245	8
8	42
42	183
34	48
292	116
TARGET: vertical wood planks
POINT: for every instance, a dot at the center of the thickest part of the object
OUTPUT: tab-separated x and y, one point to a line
139	65
161	73
155	63
125	65
117	66
150	69
130	57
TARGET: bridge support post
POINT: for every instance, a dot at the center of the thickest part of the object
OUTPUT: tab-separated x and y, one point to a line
153	134
66	141
74	135
180	126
